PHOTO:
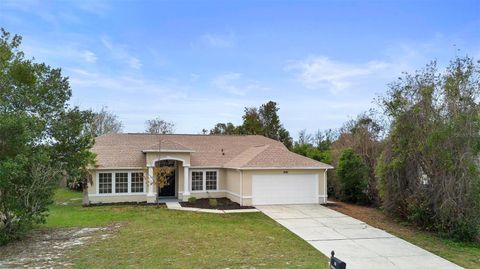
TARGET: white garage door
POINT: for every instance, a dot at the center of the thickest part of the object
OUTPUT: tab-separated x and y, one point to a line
284	189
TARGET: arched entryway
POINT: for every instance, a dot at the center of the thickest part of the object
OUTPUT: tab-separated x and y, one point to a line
180	183
170	190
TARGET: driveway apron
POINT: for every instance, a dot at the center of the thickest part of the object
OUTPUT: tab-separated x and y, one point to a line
360	245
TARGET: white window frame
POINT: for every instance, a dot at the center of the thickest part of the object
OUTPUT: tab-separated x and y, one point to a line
130	182
114	193
204	177
111	183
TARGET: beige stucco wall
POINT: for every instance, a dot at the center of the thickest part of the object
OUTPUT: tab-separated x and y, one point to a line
232	185
215	194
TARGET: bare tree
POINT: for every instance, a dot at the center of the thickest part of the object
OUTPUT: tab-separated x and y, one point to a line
159	126
304	137
105	122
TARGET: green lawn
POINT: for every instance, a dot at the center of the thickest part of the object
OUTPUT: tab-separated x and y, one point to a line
152	237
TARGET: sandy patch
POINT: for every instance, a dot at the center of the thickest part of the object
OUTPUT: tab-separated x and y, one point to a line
47	248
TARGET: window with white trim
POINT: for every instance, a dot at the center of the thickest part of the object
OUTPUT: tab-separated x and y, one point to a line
105	183
197	180
204	180
211	180
121	182
137	182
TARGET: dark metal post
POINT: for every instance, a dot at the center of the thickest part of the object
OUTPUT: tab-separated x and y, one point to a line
336	263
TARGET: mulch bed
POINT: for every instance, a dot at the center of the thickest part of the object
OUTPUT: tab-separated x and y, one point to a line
222	204
126	203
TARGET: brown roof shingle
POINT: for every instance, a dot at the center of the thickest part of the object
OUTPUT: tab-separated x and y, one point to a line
248	151
166	144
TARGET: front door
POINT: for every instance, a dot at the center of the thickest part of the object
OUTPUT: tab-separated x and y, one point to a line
169	189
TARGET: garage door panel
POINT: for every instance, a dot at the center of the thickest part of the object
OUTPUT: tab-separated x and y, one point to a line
284	189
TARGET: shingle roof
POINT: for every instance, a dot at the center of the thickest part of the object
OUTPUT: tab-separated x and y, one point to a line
248	151
272	156
245	157
167	145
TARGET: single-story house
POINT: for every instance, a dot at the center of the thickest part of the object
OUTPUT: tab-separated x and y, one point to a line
247	169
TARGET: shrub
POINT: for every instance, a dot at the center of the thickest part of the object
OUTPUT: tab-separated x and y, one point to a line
420	211
26	188
429	171
192	200
213	202
352	173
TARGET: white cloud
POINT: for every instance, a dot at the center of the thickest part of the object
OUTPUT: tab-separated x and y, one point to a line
56	14
235	84
120	53
89	56
219	40
322	72
99	8
84	79
194	76
225	82
134	63
61	54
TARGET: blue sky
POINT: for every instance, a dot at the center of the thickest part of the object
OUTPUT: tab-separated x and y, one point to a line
197	63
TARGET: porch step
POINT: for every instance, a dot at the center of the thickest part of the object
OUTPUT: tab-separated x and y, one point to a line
173	205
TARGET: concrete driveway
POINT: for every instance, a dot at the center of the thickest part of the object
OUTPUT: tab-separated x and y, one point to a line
358	244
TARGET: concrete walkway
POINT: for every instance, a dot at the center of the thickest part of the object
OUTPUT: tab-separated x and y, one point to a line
358	244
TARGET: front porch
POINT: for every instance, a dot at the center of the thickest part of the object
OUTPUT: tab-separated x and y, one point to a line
177	187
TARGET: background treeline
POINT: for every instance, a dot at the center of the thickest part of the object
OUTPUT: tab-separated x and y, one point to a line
257	121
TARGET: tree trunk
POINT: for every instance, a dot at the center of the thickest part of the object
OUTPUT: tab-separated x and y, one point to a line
85	200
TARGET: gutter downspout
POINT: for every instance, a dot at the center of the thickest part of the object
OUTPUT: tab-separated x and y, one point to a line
241	187
325	185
